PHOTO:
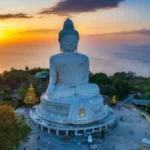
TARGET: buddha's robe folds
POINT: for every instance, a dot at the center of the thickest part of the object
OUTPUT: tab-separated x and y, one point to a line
83	91
72	71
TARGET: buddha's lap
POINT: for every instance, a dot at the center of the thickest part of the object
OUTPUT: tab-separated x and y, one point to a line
88	90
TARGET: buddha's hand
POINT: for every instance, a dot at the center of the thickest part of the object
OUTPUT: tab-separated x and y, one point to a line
51	89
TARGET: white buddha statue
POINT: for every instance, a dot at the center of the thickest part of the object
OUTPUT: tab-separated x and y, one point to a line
69	70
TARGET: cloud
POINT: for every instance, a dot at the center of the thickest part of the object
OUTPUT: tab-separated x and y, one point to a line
13	16
145	32
142	31
41	31
67	7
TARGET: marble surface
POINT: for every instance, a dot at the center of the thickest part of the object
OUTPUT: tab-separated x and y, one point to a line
70	98
69	70
68	111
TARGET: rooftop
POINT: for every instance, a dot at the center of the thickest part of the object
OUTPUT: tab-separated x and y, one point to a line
140	102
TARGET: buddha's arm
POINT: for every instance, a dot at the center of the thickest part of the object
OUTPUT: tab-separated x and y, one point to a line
53	72
53	76
86	79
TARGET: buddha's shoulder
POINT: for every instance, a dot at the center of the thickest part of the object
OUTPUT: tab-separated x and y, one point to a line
62	56
81	55
56	56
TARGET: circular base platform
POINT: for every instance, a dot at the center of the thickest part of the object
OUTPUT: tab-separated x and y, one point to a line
76	130
74	110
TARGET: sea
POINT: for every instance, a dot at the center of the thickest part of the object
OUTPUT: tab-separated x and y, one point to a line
104	58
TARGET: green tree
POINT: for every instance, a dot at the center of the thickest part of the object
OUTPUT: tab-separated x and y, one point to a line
119	76
1	79
33	71
112	92
13	129
123	76
137	97
14	78
120	88
146	96
26	68
22	91
130	75
100	78
148	108
6	97
6	103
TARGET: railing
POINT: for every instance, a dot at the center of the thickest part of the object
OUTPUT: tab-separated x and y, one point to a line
127	99
113	126
140	111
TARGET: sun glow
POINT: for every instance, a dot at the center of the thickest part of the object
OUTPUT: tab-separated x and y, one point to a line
1	34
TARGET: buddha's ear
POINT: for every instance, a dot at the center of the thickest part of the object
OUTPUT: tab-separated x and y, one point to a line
60	45
76	48
61	49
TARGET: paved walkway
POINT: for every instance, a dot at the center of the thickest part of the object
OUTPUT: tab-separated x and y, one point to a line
118	139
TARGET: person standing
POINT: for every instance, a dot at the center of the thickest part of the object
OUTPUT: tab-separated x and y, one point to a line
114	146
38	138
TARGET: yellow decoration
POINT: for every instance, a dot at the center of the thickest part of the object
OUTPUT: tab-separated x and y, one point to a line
30	97
143	147
82	111
114	100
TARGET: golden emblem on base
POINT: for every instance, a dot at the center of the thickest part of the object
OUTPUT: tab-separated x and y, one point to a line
82	111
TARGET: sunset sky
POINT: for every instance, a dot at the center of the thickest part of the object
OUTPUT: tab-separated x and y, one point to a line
37	23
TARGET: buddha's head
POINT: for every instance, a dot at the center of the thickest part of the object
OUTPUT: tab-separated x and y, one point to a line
68	37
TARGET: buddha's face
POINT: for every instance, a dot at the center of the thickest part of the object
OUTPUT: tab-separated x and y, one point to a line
69	43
